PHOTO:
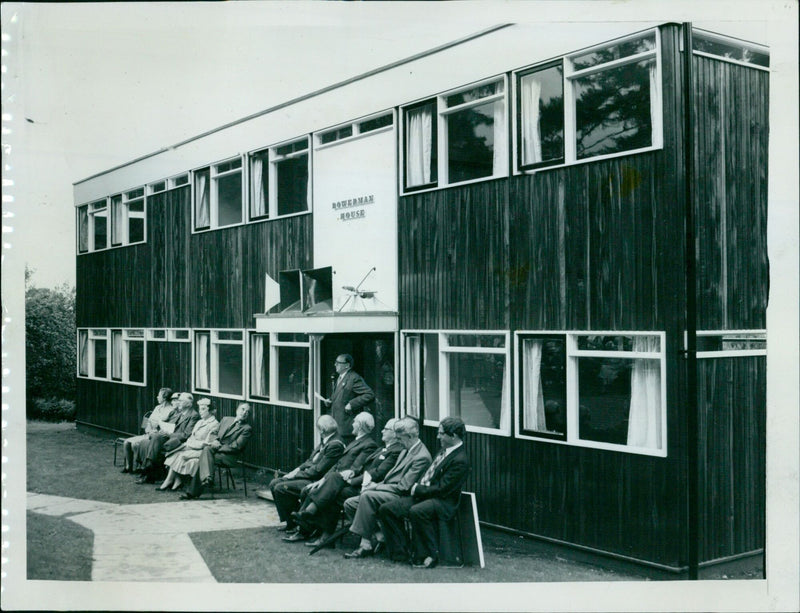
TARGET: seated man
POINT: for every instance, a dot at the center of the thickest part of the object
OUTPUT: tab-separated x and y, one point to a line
351	462
363	510
435	496
234	432
160	442
134	446
286	490
322	505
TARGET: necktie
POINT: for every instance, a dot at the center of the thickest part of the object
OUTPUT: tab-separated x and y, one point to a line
426	478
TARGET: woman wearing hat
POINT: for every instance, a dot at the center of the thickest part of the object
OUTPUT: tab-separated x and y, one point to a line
184	460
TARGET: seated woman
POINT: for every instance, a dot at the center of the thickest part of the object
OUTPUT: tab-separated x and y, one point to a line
184	460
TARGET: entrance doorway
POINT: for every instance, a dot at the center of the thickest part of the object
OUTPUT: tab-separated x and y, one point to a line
373	359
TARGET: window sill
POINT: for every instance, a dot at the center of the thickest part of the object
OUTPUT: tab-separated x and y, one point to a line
79	253
449	185
280	403
475	429
115	382
662	453
597	158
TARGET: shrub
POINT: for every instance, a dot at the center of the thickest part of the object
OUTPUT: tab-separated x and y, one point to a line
51	409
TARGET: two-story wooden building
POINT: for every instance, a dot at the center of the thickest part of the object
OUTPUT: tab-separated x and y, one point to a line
495	229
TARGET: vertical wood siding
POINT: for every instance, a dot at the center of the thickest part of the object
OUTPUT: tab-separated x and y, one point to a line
731	140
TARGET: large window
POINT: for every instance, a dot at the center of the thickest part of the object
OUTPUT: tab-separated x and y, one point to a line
128	356
279	180
219	362
460	374
279	368
127	218
604	390
112	222
599	102
458	136
116	354
218	198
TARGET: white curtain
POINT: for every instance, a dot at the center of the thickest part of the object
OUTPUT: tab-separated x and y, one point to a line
654	97
532	396
412	375
83	229
505	405
531	92
258	376
201	200
499	156
201	365
83	354
258	201
116	354
419	138
117	221
644	419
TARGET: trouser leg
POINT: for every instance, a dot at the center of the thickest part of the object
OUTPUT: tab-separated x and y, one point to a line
391	516
424	517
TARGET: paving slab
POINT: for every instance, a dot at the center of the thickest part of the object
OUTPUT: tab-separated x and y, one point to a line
151	542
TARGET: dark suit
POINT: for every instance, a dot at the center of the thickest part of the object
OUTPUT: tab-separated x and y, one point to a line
233	436
353	389
286	492
334	490
363	509
429	503
160	442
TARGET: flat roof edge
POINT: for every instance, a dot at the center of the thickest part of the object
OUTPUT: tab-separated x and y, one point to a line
303	97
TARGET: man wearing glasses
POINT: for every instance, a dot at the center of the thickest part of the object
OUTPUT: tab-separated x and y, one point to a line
350	396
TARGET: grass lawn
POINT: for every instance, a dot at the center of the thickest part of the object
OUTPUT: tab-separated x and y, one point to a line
58	549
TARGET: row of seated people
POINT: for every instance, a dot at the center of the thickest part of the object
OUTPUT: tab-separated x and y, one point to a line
188	442
378	488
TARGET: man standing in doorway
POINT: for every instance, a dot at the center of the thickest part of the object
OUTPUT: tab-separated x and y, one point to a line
350	396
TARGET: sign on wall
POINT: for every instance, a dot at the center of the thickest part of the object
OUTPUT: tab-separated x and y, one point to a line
355	221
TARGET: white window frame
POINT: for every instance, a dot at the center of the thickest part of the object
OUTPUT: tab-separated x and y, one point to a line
734	42
214	343
152	338
272	349
445	349
571	75
356	127
572	355
91	209
730	353
272	185
172	335
214	175
440	125
95	335
125	199
126	340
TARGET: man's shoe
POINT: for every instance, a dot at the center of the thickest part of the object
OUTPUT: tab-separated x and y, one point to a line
294	537
188	496
126	470
142	480
288	529
320	540
379	546
359	553
428	562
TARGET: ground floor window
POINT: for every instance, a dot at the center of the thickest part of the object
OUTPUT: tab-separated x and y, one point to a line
218	364
458	373
279	368
112	354
603	390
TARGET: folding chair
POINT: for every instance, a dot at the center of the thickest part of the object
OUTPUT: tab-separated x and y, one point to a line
230	482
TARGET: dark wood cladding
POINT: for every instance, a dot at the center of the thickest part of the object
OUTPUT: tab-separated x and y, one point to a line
178	279
453	257
731	140
731	401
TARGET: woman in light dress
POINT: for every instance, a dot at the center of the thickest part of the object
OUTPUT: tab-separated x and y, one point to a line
184	460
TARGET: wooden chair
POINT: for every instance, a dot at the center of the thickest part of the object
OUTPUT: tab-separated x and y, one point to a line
230	482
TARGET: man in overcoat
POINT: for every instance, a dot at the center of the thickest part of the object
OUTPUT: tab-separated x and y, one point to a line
350	396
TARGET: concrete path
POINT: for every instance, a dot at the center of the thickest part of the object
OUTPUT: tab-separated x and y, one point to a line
150	542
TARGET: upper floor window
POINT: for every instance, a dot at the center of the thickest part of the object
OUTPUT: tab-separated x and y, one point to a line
279	180
730	49
456	137
218	198
598	102
127	218
602	390
112	354
363	126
